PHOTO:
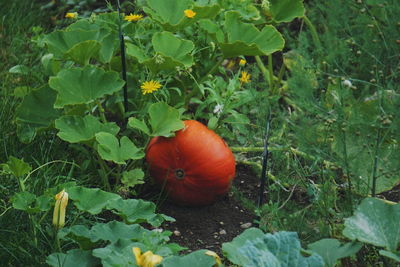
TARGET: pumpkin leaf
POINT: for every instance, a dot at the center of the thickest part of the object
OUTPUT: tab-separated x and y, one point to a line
137	211
375	222
77	42
170	13
278	249
286	10
331	250
117	254
140	125
72	257
198	258
164	120
133	177
19	69
84	85
110	148
50	64
231	248
82	52
246	39
392	255
16	167
36	112
171	52
75	129
111	231
92	200
28	202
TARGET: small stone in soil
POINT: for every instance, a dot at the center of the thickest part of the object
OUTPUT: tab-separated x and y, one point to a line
177	233
222	232
245	225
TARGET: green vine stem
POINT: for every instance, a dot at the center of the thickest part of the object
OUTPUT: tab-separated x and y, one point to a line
101	111
271	74
262	68
104	173
281	149
313	31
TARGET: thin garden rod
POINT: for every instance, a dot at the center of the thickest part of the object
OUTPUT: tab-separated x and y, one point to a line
123	58
263	182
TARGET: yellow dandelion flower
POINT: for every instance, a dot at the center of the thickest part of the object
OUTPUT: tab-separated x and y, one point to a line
215	255
189	13
150	87
71	15
60	208
245	77
147	259
133	17
242	62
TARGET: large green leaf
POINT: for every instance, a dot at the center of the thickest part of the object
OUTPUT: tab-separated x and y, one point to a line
117	254
84	85
112	232
82	44
28	202
76	129
375	222
110	148
171	52
138	211
92	200
15	166
164	120
270	250
198	258
331	250
230	249
170	13
36	112
84	51
286	10
73	258
246	39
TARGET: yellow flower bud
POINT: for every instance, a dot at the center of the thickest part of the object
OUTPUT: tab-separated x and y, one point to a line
60	208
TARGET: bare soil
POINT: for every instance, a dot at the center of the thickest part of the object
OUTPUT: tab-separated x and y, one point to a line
209	226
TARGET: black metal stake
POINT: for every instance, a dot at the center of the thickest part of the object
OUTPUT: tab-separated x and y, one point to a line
123	58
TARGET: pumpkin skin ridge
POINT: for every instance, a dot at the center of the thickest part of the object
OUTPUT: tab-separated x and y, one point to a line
207	161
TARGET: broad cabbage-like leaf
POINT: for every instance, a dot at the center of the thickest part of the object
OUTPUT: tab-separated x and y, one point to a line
118	151
270	250
84	85
375	222
75	129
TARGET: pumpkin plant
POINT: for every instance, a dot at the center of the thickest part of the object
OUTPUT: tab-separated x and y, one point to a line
195	166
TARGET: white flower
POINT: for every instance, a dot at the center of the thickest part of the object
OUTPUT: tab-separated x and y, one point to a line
218	108
347	83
